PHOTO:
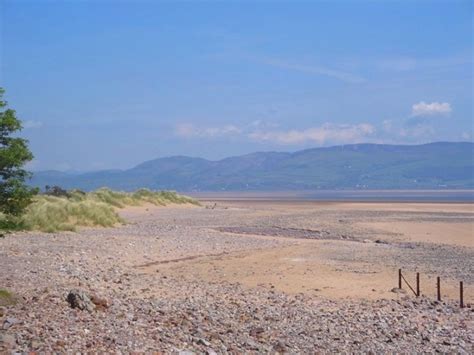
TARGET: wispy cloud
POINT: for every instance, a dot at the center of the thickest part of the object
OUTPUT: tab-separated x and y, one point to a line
188	130
418	126
266	132
404	63
397	64
32	124
387	125
419	130
430	109
316	70
320	135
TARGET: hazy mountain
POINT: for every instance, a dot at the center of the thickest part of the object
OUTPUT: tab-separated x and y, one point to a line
364	166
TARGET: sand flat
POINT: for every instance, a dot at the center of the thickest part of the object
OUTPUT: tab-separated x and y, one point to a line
242	276
461	233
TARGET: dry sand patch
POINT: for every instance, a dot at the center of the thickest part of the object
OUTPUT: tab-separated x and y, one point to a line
307	267
459	233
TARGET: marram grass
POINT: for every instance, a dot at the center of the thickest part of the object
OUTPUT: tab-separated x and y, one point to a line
97	208
51	214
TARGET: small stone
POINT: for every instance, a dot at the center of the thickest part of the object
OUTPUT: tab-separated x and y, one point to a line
256	332
252	344
35	344
100	302
9	322
203	342
398	290
279	347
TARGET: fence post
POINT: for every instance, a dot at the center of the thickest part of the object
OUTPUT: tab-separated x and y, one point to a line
399	278
417	284
438	286
461	295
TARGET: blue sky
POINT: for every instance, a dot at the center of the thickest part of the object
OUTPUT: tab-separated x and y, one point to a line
109	84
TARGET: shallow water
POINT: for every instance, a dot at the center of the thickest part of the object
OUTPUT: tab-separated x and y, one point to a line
465	196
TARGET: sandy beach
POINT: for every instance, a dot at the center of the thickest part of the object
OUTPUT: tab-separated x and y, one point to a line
247	276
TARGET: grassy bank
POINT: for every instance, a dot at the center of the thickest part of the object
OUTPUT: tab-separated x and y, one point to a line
98	208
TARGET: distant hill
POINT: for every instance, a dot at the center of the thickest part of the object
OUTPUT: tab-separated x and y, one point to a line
357	166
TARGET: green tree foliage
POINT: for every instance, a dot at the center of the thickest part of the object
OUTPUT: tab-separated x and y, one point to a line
15	195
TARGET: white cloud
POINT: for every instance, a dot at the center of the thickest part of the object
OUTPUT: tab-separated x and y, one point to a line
466	136
32	124
387	125
430	109
188	130
326	133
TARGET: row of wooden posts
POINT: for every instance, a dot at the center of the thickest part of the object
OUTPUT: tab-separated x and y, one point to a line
438	287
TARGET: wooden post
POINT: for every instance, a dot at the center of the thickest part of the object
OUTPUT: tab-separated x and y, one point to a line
438	286
399	278
461	295
417	284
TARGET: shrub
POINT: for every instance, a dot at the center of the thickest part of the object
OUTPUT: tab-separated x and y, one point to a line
55	191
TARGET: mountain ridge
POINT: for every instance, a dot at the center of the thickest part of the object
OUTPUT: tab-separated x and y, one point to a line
354	166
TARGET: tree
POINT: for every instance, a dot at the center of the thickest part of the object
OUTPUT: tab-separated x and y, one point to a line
15	195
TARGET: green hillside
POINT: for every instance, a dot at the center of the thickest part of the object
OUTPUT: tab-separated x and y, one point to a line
358	166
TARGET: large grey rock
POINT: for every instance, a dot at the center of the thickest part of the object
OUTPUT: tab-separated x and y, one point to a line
80	300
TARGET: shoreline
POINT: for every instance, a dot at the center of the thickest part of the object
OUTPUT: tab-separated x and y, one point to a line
357	196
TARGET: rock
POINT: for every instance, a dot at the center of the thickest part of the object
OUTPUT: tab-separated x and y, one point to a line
9	322
398	290
203	342
256	332
80	300
252	345
35	344
7	340
100	302
279	347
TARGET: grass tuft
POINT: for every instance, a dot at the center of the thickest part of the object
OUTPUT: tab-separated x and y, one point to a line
6	298
79	209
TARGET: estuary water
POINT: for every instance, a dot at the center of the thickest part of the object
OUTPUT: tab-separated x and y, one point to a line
459	196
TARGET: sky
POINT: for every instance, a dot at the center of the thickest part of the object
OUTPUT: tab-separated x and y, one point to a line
110	84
